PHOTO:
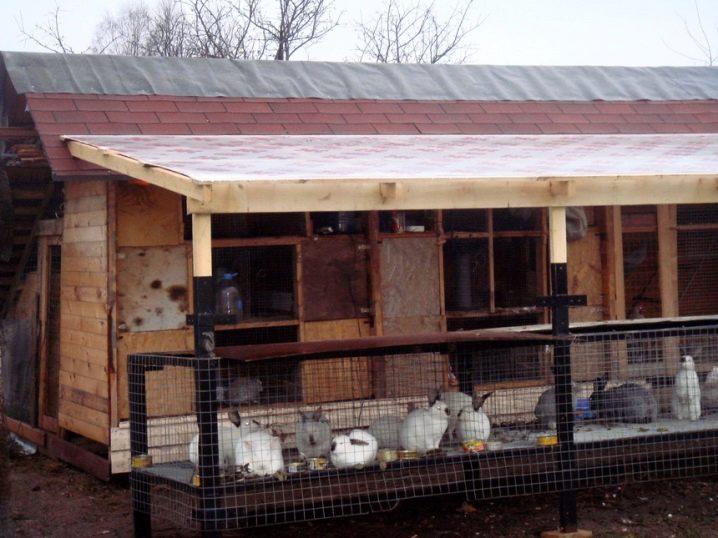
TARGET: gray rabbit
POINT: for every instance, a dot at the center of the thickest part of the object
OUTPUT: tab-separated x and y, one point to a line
314	434
629	402
545	409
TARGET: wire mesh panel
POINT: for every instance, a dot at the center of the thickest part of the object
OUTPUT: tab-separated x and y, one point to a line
259	442
645	404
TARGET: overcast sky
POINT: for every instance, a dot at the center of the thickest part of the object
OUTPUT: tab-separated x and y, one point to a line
530	32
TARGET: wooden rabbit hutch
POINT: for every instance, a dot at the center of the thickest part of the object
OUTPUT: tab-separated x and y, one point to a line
433	206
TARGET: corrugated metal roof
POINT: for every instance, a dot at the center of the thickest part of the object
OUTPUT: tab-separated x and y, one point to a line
200	77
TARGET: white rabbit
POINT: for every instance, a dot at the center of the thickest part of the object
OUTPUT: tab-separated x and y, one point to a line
686	401
227	436
455	401
260	452
423	429
472	423
709	392
712	377
386	431
357	448
314	434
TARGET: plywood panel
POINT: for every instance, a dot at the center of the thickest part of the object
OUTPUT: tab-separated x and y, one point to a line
410	277
585	275
334	278
147	216
336	379
151	288
157	382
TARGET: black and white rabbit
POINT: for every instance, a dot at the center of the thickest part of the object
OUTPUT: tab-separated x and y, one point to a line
629	402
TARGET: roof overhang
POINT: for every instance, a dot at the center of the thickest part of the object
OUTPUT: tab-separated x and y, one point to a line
280	173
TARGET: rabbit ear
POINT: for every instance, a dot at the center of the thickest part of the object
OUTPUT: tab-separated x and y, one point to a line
358	442
303	416
234	417
479	402
317	416
436	397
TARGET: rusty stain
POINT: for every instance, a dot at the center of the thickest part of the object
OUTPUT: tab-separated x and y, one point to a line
178	294
138	321
159	310
141	254
156	284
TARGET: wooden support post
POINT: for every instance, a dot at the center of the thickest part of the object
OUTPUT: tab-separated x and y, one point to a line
206	373
668	280
560	302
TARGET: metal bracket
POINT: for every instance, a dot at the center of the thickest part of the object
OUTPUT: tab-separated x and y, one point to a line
554	301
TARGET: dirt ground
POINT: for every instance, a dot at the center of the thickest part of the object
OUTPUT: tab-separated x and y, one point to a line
48	498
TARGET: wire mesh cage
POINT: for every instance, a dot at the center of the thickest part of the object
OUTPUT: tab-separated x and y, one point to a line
269	434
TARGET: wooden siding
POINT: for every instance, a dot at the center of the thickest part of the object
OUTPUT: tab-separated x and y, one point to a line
84	365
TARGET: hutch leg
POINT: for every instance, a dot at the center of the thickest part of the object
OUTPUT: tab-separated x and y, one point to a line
206	370
141	500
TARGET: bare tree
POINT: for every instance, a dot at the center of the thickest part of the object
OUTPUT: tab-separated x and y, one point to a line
245	29
414	33
127	32
225	29
47	34
706	51
294	24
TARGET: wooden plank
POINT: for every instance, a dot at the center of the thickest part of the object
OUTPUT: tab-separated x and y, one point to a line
85	294
101	434
82	459
558	252
585	275
87	310
375	274
131	167
83	368
449	193
336	379
83	278
83	413
97	357
668	259
86	218
93	386
89	340
86	249
93	265
157	341
91	188
112	299
89	233
85	206
83	324
43	267
24	430
335	278
85	399
147	216
201	245
612	260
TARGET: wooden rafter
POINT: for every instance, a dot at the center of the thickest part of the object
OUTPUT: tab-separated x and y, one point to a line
133	168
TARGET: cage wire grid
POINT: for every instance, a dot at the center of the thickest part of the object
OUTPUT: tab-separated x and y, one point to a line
336	434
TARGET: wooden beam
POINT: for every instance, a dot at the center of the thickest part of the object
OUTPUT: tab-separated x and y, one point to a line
614	285
21	429
155	175
17	133
201	244
448	193
668	259
558	247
